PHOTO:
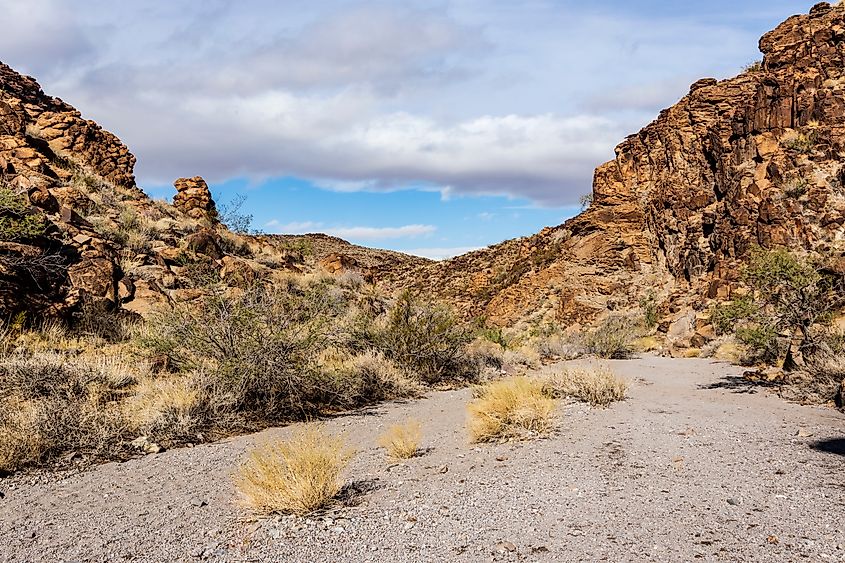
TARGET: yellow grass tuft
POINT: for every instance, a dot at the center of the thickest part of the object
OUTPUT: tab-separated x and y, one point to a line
402	441
160	404
598	386
510	407
21	442
297	476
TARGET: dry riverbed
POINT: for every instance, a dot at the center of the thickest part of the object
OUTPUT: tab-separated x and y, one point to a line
695	465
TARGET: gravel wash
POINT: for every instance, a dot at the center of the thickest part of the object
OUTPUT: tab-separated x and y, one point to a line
694	465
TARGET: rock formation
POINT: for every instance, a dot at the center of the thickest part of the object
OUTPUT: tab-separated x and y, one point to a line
193	198
754	160
101	240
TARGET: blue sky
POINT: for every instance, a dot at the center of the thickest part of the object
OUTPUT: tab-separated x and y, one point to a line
429	126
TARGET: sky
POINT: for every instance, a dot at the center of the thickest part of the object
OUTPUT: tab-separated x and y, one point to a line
431	127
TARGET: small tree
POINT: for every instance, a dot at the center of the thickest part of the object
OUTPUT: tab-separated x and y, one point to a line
795	295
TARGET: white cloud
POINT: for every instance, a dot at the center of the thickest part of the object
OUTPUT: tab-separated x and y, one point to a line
493	97
361	233
441	253
294	228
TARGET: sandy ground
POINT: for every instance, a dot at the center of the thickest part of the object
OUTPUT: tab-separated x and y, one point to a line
694	465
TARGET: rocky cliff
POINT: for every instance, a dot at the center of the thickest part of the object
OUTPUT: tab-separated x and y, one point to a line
75	230
754	160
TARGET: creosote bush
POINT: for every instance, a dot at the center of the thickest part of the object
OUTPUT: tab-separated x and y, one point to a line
516	407
402	441
427	339
295	476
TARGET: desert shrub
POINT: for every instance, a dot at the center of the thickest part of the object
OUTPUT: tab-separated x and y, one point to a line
51	404
495	335
167	409
597	386
648	306
803	143
563	346
200	271
725	316
761	342
796	295
427	339
297	476
486	353
100	319
234	245
586	201
524	357
230	215
753	67
796	188
366	378
613	338
257	348
509	408
402	441
18	221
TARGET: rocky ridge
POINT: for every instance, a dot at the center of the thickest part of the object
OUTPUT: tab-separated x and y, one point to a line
105	243
754	160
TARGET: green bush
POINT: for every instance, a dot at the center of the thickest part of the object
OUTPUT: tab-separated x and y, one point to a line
725	316
762	342
426	339
18	220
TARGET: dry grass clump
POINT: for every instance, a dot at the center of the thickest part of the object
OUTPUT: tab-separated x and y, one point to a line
51	404
402	441
165	409
513	407
296	476
614	337
599	387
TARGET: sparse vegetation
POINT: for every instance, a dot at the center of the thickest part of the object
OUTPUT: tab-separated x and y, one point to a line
402	441
586	201
516	407
294	476
753	67
613	338
796	188
597	386
427	339
18	221
785	319
801	142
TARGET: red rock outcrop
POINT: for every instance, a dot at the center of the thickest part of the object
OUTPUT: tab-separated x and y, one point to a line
754	160
193	198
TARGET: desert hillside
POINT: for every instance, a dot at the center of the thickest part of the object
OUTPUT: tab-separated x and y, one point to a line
751	161
659	378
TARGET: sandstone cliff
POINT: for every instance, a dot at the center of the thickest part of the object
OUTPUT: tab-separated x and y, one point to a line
752	160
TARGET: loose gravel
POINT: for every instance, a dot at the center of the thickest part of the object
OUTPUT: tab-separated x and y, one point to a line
694	465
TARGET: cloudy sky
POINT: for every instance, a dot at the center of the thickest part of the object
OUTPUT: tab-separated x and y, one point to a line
431	127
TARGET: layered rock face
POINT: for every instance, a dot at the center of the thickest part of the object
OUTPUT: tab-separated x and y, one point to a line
755	160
